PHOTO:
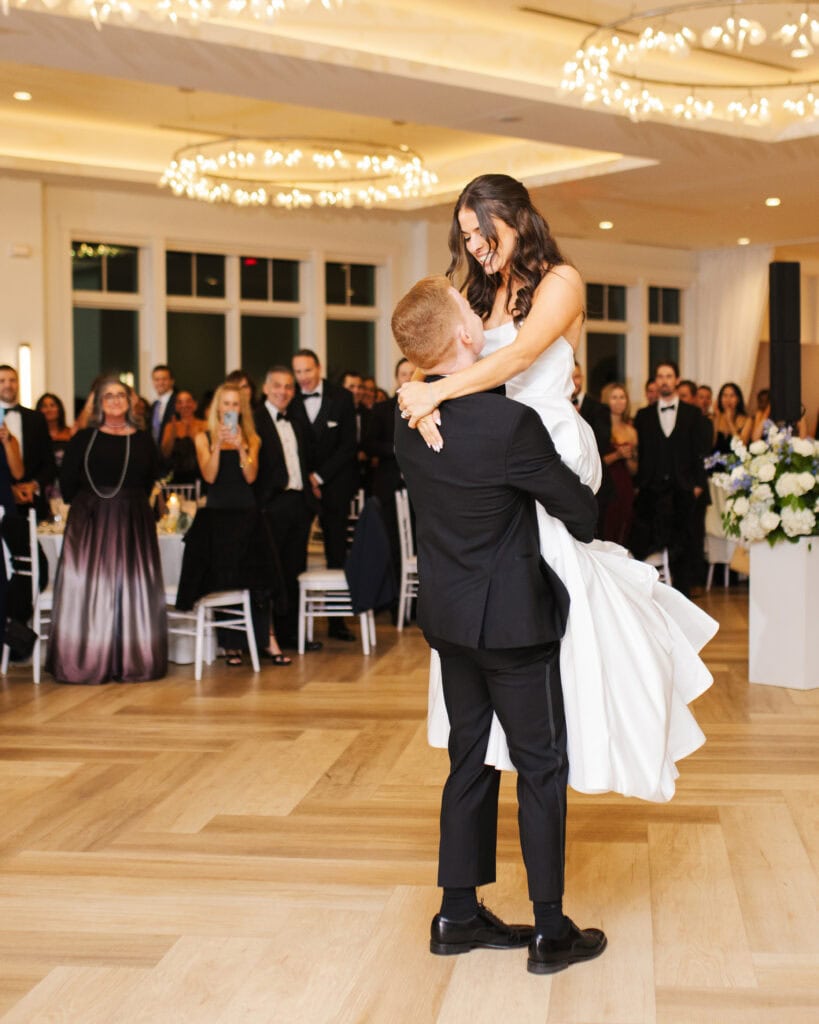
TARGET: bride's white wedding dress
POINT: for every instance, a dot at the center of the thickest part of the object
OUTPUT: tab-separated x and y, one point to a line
628	661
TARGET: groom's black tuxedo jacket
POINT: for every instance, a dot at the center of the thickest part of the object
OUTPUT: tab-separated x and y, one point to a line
483	583
675	461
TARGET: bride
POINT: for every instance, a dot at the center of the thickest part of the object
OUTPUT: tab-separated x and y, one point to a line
629	659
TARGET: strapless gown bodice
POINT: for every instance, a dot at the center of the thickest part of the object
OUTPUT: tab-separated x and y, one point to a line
547	388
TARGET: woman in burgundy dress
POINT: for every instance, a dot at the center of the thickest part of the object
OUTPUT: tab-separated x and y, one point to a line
109	620
622	462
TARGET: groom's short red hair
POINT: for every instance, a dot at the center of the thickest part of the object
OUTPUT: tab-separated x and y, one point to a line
424	322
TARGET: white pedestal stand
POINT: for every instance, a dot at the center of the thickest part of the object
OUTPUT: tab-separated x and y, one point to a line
784	614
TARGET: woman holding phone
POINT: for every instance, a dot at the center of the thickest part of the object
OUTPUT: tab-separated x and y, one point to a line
227	547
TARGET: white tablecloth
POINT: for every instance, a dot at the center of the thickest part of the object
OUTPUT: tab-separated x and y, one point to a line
719	549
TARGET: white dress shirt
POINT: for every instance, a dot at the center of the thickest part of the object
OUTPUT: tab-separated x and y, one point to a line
667	411
290	447
312	405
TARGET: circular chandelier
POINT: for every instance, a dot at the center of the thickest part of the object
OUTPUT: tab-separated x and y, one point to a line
621	65
175	11
297	173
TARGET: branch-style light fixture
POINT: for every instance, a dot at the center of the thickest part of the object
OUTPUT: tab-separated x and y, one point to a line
620	65
129	11
297	172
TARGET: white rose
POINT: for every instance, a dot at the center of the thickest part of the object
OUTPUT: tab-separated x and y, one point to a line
738	473
788	484
807	481
758	447
769	521
798	522
762	492
802	446
741	506
766	472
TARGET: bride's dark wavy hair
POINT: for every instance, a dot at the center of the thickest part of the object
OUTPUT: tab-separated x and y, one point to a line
536	252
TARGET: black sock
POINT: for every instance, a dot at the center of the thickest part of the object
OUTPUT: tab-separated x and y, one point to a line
550	920
459	904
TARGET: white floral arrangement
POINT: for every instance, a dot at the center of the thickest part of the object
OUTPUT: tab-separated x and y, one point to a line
772	487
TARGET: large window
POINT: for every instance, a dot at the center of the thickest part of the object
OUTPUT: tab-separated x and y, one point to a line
267	280
99	267
196	350
606	302
664	317
105	341
268	341
606	344
350	346
195	273
350	284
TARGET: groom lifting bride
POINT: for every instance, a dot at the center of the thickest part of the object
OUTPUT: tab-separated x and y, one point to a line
495	612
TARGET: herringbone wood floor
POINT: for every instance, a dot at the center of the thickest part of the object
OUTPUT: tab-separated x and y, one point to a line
262	849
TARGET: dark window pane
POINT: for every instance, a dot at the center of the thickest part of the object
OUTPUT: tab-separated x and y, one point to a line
350	343
336	284
617	302
268	341
362	285
105	341
122	273
671	305
253	278
196	350
594	302
605	360
179	273
210	275
654	306
662	347
86	267
286	280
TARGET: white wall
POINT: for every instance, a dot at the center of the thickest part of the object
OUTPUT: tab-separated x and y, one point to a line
22	305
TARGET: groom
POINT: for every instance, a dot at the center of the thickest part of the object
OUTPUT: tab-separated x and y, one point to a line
495	612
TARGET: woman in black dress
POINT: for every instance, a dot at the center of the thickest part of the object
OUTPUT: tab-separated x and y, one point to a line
178	440
109	619
228	546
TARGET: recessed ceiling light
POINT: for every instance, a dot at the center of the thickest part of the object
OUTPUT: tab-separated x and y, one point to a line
743	241
773	201
605	225
22	96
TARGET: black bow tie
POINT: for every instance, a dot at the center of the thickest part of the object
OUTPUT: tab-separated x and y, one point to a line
281	416
667	408
311	394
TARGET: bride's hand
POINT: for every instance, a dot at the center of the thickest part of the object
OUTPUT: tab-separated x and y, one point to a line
428	429
416	400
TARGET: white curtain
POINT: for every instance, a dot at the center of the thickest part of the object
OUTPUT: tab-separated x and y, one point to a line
729	299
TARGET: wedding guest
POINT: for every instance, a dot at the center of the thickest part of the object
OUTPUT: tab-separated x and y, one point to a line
670	477
328	413
353	382
621	459
53	410
598	416
228	546
650	392
369	392
109	618
162	410
731	419
687	391
288	501
245	383
763	416
178	447
31	431
705	399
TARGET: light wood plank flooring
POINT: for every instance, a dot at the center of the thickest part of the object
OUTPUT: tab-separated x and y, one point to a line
261	848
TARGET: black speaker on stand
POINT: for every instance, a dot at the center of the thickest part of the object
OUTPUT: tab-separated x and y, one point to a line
786	337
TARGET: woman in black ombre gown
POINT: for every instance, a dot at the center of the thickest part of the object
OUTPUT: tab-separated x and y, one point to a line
109	620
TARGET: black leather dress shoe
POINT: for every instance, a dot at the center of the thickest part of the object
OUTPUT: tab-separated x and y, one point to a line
312	645
340	633
483	931
547	956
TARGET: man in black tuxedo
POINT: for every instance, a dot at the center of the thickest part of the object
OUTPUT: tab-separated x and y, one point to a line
379	444
31	431
328	415
598	416
286	497
495	612
163	409
352	381
670	478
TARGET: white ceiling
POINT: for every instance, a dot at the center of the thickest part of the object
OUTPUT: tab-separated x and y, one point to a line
471	85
